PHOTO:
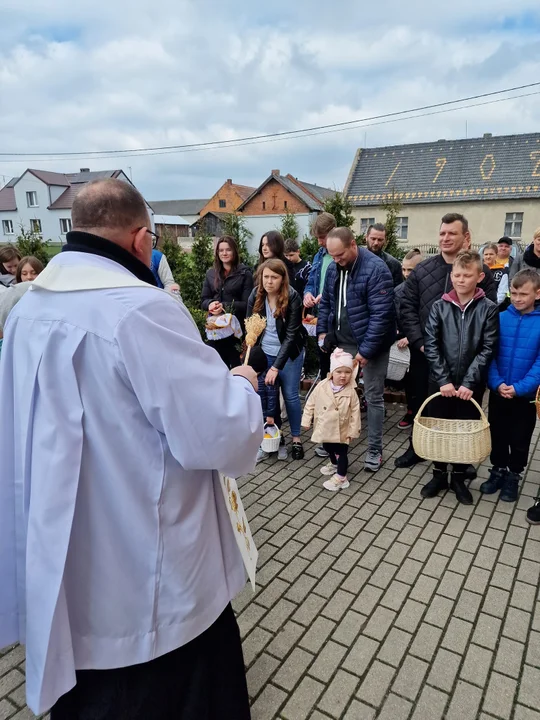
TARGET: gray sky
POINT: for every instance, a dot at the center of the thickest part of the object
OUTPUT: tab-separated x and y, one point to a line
118	75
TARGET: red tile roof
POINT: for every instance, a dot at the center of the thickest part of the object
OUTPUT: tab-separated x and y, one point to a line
7	199
50	178
65	201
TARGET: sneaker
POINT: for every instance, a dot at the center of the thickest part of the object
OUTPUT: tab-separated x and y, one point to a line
297	451
336	483
509	491
533	513
406	421
438	482
494	482
321	452
329	469
373	461
283	453
261	455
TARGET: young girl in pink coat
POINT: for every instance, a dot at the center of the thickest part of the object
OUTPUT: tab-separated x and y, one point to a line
335	411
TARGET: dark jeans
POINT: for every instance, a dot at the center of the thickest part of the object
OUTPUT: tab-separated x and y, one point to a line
227	351
324	363
452	409
416	381
203	679
337	452
512	424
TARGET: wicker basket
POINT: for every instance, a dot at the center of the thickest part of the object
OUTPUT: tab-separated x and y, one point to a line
537	401
271	445
310	326
399	362
451	441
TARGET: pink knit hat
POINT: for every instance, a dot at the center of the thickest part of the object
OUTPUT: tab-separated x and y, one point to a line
340	358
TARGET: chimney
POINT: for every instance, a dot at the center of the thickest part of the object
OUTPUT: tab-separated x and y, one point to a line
275	172
487	136
85	170
229	181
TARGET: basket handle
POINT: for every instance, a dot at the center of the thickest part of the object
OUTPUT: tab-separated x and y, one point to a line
432	397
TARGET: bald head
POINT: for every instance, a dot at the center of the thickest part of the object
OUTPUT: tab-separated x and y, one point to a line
109	205
114	210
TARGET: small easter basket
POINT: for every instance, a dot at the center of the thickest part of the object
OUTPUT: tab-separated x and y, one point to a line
537	402
451	441
399	362
219	327
310	323
272	438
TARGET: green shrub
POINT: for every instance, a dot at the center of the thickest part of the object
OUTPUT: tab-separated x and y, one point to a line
29	243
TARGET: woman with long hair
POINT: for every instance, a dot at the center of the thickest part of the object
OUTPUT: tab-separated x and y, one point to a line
283	342
9	262
28	269
227	288
272	245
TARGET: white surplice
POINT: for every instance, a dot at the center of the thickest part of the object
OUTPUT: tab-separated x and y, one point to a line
115	418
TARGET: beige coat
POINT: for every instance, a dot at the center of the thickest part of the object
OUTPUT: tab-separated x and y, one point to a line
336	415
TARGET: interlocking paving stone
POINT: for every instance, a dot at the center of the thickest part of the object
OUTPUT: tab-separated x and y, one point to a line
374	604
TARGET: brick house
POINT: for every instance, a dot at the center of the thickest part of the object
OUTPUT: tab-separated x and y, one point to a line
493	181
279	194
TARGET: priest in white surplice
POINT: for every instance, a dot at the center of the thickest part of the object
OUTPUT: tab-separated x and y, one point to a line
117	558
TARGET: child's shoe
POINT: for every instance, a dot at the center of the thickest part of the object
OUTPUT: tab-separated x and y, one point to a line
406	421
509	492
261	455
336	483
533	513
329	469
457	485
495	481
438	482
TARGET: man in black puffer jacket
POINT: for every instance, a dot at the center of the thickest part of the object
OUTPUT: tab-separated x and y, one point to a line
427	283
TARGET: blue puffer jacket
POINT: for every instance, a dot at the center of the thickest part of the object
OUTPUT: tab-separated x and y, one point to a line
518	360
370	304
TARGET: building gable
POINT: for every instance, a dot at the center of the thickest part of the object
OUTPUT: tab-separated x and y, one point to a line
488	168
227	199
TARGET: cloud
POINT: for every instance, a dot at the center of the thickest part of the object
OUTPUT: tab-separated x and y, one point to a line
98	76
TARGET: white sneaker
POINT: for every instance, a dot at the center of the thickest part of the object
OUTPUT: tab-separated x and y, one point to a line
261	455
336	483
328	469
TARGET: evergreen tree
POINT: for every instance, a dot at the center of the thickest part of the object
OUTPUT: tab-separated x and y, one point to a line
392	206
341	208
176	256
235	226
31	243
308	248
193	270
289	226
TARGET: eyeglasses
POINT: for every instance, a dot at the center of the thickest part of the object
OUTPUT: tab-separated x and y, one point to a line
154	236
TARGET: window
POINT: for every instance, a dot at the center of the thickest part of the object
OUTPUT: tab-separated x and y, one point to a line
402	227
513	225
7	227
284	204
365	223
31	199
222	203
65	225
35	226
264	205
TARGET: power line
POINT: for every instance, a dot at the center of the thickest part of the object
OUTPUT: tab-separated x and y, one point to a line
375	120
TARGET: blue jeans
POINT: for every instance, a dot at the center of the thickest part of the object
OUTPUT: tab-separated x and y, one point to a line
289	381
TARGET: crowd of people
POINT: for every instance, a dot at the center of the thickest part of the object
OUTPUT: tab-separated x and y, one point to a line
119	562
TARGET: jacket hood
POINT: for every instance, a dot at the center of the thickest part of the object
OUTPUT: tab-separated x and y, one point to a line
452	297
512	310
530	258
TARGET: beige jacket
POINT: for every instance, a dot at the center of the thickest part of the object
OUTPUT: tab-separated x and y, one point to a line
336	415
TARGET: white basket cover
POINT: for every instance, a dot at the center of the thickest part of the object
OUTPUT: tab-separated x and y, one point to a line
399	362
228	325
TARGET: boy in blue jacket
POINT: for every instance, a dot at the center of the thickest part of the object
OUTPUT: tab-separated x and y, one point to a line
514	377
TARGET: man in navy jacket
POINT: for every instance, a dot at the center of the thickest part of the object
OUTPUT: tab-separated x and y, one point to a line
357	314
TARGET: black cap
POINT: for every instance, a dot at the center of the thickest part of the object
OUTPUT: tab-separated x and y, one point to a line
506	240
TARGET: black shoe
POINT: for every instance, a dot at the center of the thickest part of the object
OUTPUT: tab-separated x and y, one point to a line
438	482
457	485
297	451
470	472
408	459
494	482
533	513
509	492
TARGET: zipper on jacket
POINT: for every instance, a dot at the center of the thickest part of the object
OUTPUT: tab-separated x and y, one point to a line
463	311
511	366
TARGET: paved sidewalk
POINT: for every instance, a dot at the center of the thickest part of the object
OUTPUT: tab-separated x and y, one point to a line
373	603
